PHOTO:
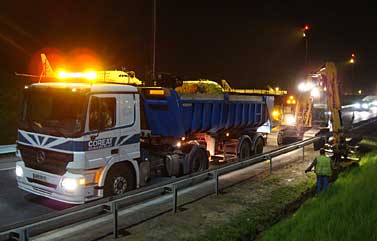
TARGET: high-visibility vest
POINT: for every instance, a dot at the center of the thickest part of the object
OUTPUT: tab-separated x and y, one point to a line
323	167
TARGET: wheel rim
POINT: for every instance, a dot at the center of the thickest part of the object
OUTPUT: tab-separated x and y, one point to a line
120	185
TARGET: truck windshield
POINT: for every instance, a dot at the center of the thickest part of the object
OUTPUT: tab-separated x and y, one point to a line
58	112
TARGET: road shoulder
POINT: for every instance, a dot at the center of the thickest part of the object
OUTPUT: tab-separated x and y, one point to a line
242	210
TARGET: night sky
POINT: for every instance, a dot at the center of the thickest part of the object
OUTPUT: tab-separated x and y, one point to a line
249	43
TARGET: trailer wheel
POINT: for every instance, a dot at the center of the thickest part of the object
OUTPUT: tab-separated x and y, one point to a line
258	148
280	139
198	159
119	180
245	150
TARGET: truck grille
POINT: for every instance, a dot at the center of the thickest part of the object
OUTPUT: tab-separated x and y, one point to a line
41	183
45	160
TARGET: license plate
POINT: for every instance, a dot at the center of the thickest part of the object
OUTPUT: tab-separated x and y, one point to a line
39	177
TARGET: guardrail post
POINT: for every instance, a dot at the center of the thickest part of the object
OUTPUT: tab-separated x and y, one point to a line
175	197
114	209
216	184
303	153
23	235
270	171
215	175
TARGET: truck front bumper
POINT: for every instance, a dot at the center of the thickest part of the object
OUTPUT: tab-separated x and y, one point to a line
50	186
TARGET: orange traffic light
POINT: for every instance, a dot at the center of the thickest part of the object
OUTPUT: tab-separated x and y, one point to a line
291	100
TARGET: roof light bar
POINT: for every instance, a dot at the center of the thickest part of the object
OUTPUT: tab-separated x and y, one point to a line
90	75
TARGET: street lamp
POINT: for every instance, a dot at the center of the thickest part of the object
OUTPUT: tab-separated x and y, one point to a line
352	61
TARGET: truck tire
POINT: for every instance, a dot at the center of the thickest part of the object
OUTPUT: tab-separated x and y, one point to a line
172	165
198	159
258	146
245	150
280	138
119	180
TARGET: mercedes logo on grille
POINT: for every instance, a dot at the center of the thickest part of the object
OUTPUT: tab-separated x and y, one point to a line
41	157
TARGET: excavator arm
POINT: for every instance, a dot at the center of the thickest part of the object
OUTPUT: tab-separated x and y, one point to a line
331	86
340	146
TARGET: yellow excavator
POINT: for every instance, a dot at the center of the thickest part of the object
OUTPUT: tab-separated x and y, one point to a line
339	143
318	112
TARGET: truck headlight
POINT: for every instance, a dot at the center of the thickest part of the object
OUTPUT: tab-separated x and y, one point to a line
19	171
365	105
357	105
70	184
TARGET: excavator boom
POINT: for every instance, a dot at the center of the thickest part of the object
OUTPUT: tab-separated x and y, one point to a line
329	76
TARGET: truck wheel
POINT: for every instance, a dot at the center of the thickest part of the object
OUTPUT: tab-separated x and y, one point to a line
198	159
245	150
258	148
119	180
280	139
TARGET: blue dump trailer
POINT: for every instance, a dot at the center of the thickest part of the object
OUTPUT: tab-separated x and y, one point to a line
225	125
172	115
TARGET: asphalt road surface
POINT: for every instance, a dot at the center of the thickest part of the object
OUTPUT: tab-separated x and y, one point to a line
17	205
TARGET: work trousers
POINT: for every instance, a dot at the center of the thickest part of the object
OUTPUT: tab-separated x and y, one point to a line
322	183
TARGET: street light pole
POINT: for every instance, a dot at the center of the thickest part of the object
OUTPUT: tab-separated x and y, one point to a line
154	42
305	34
352	62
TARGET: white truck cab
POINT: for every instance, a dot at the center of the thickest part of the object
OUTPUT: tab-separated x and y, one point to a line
72	134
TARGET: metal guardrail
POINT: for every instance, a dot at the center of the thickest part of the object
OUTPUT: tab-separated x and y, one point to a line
7	149
112	205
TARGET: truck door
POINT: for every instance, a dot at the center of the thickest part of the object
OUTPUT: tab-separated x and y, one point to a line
129	141
103	129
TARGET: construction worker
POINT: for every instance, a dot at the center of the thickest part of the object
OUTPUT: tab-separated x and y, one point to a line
323	169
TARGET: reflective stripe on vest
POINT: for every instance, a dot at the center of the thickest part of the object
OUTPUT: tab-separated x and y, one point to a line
323	167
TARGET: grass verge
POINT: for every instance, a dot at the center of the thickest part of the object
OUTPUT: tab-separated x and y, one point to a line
347	211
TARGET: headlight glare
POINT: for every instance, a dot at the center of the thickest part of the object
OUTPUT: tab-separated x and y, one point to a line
19	171
365	106
69	184
290	119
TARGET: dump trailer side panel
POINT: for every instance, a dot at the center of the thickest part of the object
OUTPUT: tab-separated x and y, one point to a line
172	115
